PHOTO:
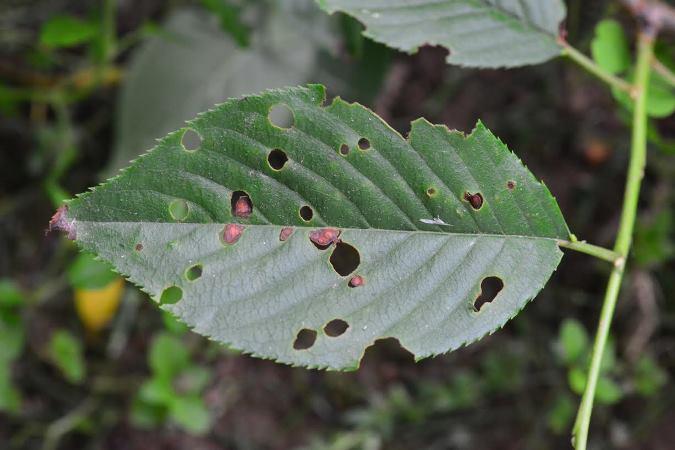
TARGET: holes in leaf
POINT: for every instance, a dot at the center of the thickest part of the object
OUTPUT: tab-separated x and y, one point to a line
179	209
324	237
335	327
305	339
191	140
281	116
285	233
306	213
277	159
344	150
242	206
475	200
356	281
344	259
194	272
510	185
231	233
489	288
431	192
138	247
364	144
171	295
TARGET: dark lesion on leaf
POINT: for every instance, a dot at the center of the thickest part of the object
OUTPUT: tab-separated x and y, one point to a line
277	159
356	281
335	327
344	150
241	204
304	339
138	247
364	143
306	213
345	258
431	191
475	200
510	185
324	237
285	233
489	288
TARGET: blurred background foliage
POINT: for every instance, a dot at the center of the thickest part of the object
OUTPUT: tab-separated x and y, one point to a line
86	361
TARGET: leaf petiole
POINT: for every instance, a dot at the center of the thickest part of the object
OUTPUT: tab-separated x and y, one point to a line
593	250
590	65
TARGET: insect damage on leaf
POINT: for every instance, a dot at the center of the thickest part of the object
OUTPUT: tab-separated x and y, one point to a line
305	233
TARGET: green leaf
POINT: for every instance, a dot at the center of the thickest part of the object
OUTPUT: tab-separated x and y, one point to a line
257	291
65	351
10	294
574	340
156	391
653	239
660	96
649	377
609	47
607	391
67	31
85	272
10	397
168	356
478	33
561	414
191	414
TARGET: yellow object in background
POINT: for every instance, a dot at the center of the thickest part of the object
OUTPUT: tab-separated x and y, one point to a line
97	307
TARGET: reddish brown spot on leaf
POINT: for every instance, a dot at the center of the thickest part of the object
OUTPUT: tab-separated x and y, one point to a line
324	237
242	206
476	200
356	281
60	222
139	247
511	185
285	233
232	232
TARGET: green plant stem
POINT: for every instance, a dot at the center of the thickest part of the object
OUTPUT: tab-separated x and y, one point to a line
590	65
624	237
593	250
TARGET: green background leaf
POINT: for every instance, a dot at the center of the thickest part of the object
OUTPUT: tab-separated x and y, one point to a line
355	173
67	31
478	33
610	47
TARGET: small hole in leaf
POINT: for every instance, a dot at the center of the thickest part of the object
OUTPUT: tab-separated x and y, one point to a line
171	295
281	116
285	233
179	209
305	339
356	281
364	144
344	259
324	237
191	140
475	200
335	327
277	159
231	233
489	288
344	149
138	247
306	213
511	185
194	272
241	203
431	192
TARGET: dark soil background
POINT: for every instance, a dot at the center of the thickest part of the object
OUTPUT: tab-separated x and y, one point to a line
499	393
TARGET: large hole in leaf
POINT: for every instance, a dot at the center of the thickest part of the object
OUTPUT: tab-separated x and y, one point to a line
345	259
179	209
305	339
277	159
171	295
475	200
191	140
306	213
489	288
241	203
335	327
194	272
281	116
